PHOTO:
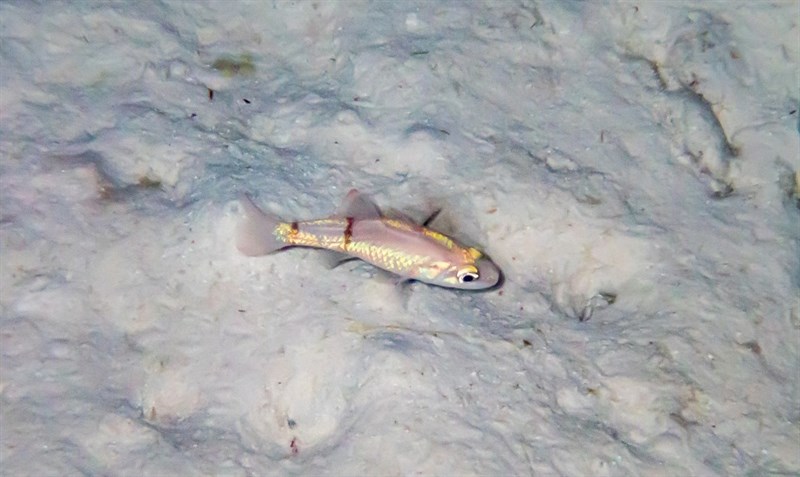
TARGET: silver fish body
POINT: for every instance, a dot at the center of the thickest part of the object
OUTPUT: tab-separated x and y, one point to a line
358	229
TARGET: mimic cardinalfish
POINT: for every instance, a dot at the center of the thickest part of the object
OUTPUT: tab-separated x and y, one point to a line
392	242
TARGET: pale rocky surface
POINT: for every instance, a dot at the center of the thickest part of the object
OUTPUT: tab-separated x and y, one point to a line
633	166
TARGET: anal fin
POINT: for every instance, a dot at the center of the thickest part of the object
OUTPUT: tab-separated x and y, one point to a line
334	259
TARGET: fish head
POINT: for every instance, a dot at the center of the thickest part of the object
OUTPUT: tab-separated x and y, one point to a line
474	272
483	274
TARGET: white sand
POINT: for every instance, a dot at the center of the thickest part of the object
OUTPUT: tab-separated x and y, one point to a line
634	164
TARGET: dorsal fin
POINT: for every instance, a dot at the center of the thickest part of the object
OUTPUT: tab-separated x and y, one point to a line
397	215
428	221
358	206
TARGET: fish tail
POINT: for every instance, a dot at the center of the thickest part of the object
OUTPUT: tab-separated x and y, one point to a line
255	234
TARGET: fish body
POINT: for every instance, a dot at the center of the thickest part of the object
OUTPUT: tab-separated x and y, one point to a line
359	229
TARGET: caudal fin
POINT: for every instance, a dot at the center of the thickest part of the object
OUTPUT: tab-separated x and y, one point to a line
254	234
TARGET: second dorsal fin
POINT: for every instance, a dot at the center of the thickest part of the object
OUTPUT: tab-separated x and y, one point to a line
358	206
397	215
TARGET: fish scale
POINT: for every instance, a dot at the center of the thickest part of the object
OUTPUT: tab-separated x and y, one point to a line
302	234
393	260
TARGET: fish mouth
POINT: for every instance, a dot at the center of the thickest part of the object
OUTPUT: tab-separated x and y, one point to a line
491	278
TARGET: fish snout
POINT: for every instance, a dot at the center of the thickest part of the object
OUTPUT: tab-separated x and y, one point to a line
489	275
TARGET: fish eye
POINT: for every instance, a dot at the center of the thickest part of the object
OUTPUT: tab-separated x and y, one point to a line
466	276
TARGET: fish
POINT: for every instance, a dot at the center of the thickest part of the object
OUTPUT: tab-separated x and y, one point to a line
359	229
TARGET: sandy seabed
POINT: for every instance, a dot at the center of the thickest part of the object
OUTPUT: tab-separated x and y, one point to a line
634	169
